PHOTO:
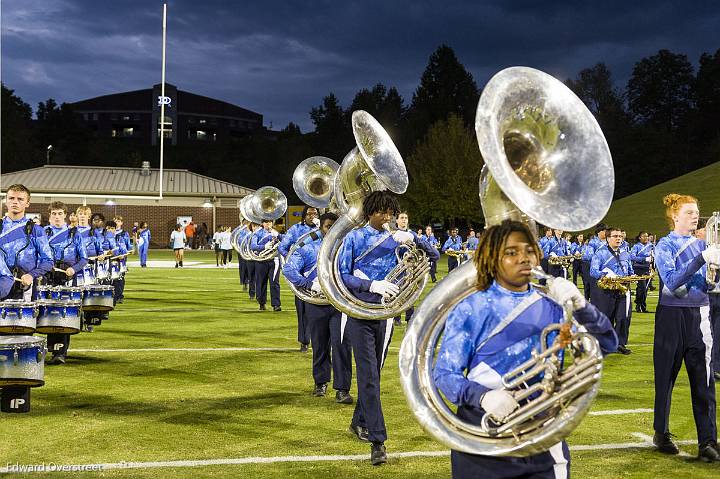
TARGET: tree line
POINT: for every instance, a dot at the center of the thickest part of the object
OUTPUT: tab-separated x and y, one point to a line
665	122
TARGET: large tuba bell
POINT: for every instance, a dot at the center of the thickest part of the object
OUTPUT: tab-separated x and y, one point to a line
266	204
712	237
374	164
313	182
236	236
546	160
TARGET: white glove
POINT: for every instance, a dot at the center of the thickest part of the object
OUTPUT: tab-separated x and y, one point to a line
553	254
402	236
274	233
269	245
384	288
316	222
648	259
609	273
498	403
316	286
562	291
712	255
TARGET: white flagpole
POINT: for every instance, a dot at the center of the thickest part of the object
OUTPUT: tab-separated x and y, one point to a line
162	99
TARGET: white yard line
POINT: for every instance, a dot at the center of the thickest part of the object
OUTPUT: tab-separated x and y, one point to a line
617	412
646	443
135	350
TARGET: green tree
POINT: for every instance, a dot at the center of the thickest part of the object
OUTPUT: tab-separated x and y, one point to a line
383	104
19	150
333	134
444	171
707	125
446	88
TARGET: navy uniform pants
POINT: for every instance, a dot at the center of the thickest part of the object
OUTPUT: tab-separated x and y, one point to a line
408	314
642	286
250	265
683	334
370	340
433	270
452	263
58	343
557	271
303	334
242	270
577	270
616	306
588	281
329	350
268	271
715	321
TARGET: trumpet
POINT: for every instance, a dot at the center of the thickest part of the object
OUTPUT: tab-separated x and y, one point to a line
621	283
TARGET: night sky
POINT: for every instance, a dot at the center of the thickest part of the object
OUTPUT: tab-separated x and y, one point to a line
280	58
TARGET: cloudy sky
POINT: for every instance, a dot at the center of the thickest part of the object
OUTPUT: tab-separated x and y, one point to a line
280	58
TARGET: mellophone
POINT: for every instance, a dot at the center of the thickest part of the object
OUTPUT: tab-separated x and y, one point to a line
55	310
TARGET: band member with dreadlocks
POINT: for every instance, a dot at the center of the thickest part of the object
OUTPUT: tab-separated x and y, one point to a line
493	331
366	257
70	260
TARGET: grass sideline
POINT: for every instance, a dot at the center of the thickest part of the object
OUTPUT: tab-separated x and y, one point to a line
110	407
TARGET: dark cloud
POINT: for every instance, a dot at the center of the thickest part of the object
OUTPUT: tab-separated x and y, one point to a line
281	58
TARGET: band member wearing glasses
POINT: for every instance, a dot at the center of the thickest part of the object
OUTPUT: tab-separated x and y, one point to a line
308	222
492	332
595	243
453	244
366	257
329	350
641	255
682	326
611	261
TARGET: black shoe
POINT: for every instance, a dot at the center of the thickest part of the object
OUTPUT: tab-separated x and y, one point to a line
360	432
665	444
320	390
181	265
262	307
708	452
638	309
277	308
397	322
343	397
58	359
252	297
303	348
377	454
176	265
120	300
623	350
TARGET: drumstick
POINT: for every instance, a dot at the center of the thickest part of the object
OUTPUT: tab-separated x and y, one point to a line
59	270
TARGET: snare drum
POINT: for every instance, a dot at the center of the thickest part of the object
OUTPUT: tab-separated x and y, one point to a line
44	292
98	297
58	317
67	293
115	270
101	271
18	316
22	361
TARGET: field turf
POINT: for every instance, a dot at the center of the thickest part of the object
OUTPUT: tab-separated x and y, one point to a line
108	407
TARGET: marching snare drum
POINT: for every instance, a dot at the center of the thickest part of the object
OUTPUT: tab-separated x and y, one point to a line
58	317
44	292
67	293
98	297
22	361
18	316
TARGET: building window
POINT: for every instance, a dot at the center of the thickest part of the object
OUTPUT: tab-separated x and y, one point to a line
125	117
114	133
167	124
201	135
202	121
128	131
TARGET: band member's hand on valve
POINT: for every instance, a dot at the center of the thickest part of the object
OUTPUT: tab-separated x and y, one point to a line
498	403
316	286
562	291
269	245
384	288
609	273
712	255
648	259
402	236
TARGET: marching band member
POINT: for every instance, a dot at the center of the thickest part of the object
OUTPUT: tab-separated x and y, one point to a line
309	221
641	255
94	251
682	326
595	243
117	250
714	303
250	265
471	243
269	270
27	257
402	221
624	246
143	242
453	243
71	257
365	278
493	331
557	246
329	349
242	262
543	243
611	261
577	248
122	238
430	238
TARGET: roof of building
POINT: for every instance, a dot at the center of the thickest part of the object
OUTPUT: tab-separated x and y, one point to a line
105	180
142	100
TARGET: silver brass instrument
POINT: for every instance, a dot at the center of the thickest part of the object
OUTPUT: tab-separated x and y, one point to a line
266	204
712	238
374	164
235	235
313	182
546	161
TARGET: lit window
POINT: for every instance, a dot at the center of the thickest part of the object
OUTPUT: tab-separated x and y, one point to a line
126	117
201	135
128	131
202	121
114	133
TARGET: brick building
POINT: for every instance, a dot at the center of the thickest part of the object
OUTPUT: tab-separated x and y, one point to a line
110	191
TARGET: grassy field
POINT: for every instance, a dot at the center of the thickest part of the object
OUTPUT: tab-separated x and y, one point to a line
106	407
644	210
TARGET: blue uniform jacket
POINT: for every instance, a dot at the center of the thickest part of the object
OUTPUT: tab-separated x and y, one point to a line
491	332
603	260
300	267
106	240
122	238
6	278
453	242
593	245
259	238
357	274
292	235
431	240
556	247
640	251
681	268
472	243
89	240
26	247
144	239
67	247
